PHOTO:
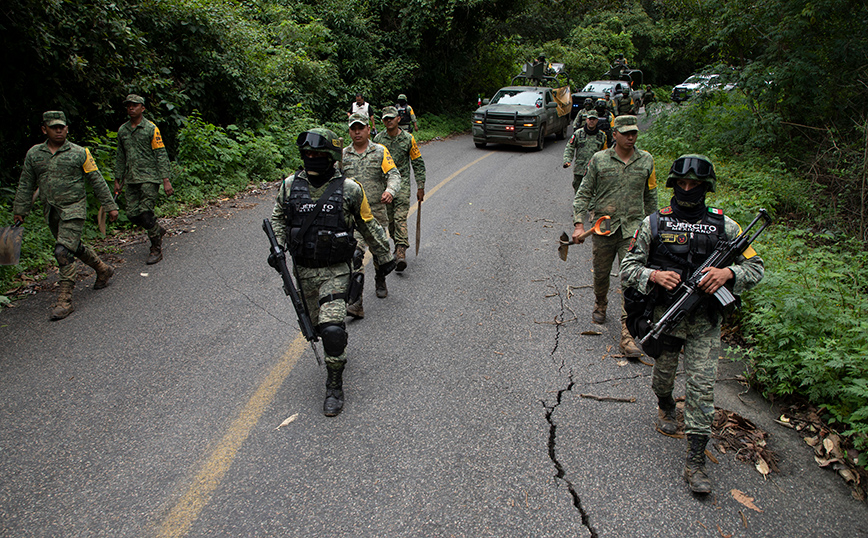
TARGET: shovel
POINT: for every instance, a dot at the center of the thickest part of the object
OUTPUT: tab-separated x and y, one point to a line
10	244
601	227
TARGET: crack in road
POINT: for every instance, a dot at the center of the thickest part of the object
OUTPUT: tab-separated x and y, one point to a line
553	429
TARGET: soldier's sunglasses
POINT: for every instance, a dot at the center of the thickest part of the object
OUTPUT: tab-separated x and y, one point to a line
315	141
702	168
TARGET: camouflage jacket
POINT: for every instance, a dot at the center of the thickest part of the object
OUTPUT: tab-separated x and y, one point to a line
374	169
627	192
141	155
748	268
60	178
357	214
581	147
405	153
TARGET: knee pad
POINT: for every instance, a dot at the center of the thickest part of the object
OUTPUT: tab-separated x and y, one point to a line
63	255
334	338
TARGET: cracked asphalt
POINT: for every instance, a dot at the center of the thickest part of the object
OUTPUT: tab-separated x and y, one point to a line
475	405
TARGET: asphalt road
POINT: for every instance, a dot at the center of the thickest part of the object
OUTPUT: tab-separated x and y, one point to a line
153	410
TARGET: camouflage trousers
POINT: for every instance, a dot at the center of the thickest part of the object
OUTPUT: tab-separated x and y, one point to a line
397	211
605	248
324	290
68	234
141	198
381	213
577	182
701	350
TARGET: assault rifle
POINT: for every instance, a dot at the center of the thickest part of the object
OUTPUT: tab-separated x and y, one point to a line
688	296
278	257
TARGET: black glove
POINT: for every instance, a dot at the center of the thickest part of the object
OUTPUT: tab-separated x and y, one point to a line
386	268
272	261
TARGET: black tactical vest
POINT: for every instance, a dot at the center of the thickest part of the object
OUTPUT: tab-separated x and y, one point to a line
327	240
404	115
682	246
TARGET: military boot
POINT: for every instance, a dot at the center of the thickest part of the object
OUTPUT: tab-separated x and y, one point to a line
156	253
599	314
355	309
628	345
380	283
694	467
103	270
666	422
401	257
334	400
63	307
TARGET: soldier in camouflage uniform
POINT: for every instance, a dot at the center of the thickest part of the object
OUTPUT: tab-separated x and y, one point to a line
372	166
59	169
623	102
141	165
406	116
324	247
686	233
587	107
605	120
581	147
402	146
621	182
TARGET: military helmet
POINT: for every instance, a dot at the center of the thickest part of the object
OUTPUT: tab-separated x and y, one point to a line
402	97
589	103
692	166
321	139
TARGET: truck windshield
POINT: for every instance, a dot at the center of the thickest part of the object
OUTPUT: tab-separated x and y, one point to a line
518	97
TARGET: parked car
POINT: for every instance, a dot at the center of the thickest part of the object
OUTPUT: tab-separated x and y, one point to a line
697	84
520	116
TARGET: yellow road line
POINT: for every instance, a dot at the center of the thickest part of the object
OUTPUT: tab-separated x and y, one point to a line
183	514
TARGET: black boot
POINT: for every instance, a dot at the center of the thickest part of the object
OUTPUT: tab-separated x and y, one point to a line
694	467
666	422
334	400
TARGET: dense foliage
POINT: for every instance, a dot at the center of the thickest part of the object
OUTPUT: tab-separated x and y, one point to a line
230	82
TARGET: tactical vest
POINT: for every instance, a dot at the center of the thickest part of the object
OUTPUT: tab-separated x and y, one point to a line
327	240
404	115
682	246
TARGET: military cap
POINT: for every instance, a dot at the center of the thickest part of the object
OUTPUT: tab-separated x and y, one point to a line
390	112
358	117
592	114
53	117
625	124
402	97
133	98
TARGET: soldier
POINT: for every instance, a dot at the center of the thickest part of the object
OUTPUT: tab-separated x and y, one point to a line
670	245
58	168
610	104
372	166
621	182
622	102
581	147
587	106
406	116
402	146
324	244
605	120
141	165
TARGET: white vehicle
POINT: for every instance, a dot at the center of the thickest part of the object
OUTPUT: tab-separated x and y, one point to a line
696	84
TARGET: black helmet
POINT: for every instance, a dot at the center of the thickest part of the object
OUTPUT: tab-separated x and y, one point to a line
320	139
692	166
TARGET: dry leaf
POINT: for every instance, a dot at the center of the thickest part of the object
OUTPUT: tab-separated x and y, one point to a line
762	467
623	363
287	422
721	533
744	499
591	333
812	441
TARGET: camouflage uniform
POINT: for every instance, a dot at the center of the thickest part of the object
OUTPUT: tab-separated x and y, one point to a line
407	118
701	336
332	282
141	164
405	153
60	178
579	150
627	192
376	172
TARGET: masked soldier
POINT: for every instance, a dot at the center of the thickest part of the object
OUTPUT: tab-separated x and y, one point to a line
142	165
605	120
372	166
316	212
667	248
585	141
587	106
406	116
402	146
59	169
621	182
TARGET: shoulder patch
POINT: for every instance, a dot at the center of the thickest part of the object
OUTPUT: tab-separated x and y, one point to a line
89	164
157	140
572	139
715	211
666	210
387	163
414	149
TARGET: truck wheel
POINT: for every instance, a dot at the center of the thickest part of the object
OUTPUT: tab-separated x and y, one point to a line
479	145
541	139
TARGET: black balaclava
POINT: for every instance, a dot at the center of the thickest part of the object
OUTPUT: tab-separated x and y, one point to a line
319	169
689	205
